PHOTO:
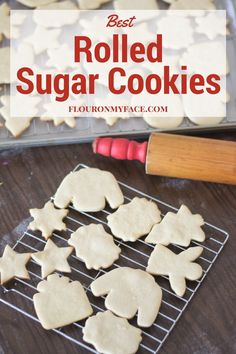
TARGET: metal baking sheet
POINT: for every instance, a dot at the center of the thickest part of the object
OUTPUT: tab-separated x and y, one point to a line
87	128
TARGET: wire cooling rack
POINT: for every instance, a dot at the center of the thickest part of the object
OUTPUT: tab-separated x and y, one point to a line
18	293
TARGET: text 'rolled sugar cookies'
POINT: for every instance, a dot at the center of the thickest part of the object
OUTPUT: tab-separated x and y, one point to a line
60	302
88	189
178	228
134	220
94	246
111	335
130	291
177	266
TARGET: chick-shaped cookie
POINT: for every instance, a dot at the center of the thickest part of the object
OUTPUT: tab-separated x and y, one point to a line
94	246
110	334
88	189
134	220
178	228
130	291
177	266
48	219
60	302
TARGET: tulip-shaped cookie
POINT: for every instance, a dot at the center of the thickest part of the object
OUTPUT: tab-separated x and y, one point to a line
134	220
178	228
177	266
60	302
88	189
111	335
129	291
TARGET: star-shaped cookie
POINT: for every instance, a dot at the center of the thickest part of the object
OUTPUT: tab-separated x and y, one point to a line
53	258
48	219
43	39
4	20
12	265
178	228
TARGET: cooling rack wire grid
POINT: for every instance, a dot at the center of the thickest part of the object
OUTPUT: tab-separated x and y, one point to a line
18	294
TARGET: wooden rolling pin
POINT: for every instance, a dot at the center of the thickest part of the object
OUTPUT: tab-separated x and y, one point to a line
176	156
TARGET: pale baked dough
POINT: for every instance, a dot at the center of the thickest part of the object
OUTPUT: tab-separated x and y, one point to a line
177	266
212	25
178	228
178	33
88	189
48	219
53	258
43	39
94	246
13	265
35	3
136	5
5	65
17	125
212	59
111	335
163	122
4	21
193	5
91	4
48	20
134	220
60	302
130	291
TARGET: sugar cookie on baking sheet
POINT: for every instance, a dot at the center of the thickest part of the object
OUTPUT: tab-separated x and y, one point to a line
4	20
60	302
35	3
212	25
177	266
53	258
136	5
88	189
94	246
178	228
134	220
48	219
47	19
163	122
213	58
110	334
206	109
179	33
91	4
16	125
5	65
43	39
13	265
193	5
130	291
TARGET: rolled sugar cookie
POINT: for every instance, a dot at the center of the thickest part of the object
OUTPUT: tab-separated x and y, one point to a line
88	189
130	291
134	220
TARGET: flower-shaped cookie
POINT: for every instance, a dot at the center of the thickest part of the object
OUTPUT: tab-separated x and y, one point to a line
94	246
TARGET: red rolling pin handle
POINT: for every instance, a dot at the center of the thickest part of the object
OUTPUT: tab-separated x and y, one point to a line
121	149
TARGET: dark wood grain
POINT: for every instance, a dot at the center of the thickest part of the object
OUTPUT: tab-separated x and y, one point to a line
31	176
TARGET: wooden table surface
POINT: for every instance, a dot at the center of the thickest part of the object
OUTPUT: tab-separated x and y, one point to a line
31	176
